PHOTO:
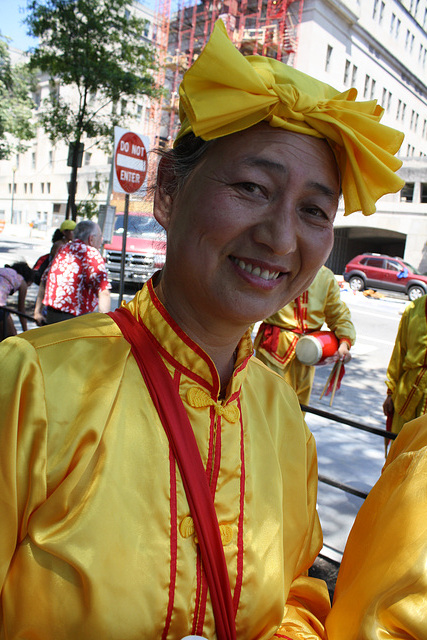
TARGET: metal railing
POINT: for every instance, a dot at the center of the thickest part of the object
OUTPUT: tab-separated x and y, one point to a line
356	425
8	311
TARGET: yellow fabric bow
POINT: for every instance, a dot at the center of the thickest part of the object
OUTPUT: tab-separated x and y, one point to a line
225	92
198	398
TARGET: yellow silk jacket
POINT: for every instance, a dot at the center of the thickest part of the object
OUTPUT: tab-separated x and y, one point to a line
320	303
96	538
407	369
381	591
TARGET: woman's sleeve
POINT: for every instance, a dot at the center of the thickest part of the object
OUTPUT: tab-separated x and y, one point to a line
395	366
338	315
22	444
308	602
381	591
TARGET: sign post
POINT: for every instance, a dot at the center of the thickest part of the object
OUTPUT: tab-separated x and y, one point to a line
130	164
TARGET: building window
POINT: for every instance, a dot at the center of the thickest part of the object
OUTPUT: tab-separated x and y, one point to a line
397	28
347	71
381	12
392	21
354	75
408	34
399	105
424	128
411	46
25	187
407	192
374	10
403	111
139	110
88	157
48	187
33	160
384	98
424	192
42	187
328	57
365	90
31	187
10	187
50	158
373	85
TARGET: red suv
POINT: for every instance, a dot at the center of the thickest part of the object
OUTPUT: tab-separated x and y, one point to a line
376	271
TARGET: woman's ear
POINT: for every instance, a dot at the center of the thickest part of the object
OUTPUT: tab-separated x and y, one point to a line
163	199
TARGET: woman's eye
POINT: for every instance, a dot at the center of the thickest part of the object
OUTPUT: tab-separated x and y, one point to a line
249	187
316	212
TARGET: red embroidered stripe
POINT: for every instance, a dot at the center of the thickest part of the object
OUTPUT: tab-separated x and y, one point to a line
173	542
186	339
177	365
239	576
217	457
202	608
198	590
413	390
209	462
288	354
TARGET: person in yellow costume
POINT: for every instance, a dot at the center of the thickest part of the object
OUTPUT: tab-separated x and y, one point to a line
381	590
407	370
97	536
319	304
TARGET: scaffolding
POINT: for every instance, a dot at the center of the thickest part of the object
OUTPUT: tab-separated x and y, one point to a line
256	27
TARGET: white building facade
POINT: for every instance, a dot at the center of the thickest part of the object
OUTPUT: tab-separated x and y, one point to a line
34	184
380	47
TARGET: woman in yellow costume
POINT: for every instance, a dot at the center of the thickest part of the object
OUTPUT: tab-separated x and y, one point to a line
407	369
278	335
381	591
171	490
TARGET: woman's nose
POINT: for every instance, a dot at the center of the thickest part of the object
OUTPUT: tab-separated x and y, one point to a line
279	231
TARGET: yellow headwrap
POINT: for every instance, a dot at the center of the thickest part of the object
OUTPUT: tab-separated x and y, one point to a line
225	92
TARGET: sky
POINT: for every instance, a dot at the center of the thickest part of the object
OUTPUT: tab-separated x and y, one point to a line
11	24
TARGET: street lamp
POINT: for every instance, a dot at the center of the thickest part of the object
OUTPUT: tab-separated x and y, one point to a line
13	193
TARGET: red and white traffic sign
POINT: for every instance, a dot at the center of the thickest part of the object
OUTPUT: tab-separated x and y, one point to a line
130	161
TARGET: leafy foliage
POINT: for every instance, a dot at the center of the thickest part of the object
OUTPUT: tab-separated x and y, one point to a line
16	105
98	48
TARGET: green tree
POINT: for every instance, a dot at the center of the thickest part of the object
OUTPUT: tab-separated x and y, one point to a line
15	104
97	47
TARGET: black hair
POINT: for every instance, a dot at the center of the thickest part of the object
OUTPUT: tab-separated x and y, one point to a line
179	162
57	235
24	270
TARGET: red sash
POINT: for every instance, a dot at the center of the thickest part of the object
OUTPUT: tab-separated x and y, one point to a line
184	446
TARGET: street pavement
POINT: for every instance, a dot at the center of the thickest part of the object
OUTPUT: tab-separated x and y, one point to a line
345	454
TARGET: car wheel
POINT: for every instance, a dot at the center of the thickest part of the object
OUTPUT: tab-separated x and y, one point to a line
415	292
356	283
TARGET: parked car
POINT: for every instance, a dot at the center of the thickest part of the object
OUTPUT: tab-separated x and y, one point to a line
377	271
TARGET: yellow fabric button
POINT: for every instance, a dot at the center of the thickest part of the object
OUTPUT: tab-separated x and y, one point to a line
186	527
226	532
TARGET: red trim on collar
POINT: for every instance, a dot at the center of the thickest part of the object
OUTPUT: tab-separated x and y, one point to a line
186	339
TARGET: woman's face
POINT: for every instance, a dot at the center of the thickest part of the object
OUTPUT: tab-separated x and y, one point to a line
250	228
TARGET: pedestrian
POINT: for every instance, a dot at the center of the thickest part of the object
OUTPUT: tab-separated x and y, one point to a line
279	334
14	278
60	236
77	280
407	370
171	490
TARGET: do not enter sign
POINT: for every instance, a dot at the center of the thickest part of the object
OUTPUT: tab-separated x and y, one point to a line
130	162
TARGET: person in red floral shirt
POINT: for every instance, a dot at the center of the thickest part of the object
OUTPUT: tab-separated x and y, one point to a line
77	280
